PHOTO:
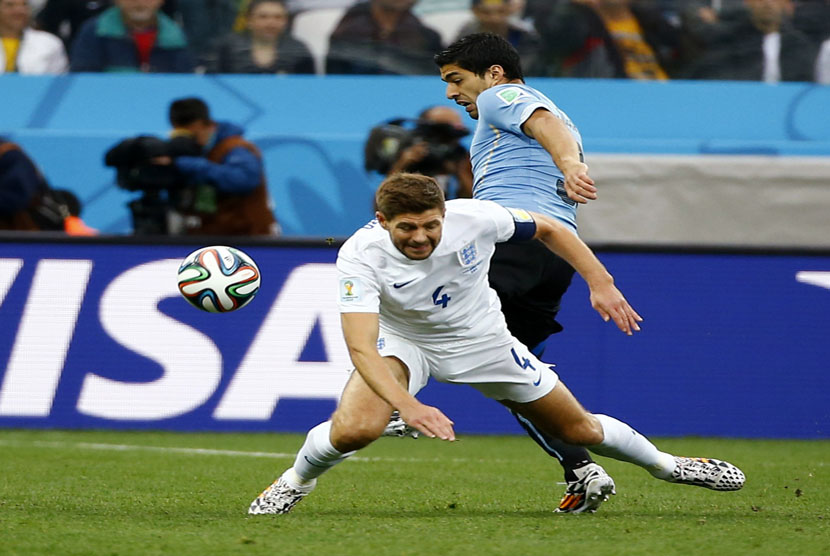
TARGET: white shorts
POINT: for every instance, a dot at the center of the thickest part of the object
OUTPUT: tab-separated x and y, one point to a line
498	365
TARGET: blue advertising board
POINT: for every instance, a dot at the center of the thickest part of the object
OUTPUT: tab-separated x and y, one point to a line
95	335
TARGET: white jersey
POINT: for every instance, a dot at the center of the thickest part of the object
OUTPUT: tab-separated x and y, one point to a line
445	297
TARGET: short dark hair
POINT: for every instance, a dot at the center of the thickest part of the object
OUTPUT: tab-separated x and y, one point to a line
254	3
479	51
185	111
408	193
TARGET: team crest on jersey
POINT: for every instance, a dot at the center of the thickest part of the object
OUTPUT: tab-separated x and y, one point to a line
509	95
350	288
468	255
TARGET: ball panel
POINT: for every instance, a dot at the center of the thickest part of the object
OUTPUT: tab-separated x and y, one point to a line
218	279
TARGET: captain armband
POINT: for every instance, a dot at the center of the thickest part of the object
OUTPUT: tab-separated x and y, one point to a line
525	225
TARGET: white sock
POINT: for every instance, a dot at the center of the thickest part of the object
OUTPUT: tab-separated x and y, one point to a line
315	457
624	443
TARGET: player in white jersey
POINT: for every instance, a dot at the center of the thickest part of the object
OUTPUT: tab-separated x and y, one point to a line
526	153
415	304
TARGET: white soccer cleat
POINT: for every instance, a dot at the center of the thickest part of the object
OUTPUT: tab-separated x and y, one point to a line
708	473
593	487
279	498
398	427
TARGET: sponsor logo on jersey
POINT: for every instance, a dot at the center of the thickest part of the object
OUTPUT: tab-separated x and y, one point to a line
510	95
350	289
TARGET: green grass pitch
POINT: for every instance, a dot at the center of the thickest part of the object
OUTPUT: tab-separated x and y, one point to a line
142	493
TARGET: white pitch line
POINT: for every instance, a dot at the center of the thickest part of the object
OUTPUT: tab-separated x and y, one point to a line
52	444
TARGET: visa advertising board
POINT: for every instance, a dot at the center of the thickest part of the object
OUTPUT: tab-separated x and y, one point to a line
96	335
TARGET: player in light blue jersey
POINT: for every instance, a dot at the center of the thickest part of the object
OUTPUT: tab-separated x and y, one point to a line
526	153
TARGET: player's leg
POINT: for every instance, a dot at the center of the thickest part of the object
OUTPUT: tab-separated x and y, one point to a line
359	419
559	414
530	282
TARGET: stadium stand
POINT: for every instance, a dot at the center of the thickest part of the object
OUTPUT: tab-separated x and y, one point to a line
313	27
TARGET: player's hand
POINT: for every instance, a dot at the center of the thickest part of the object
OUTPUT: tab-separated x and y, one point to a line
578	184
609	302
429	421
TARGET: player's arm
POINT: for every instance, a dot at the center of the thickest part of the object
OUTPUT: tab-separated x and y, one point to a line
361	333
555	137
605	297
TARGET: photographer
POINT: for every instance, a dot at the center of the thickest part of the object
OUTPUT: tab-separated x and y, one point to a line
233	197
432	148
27	201
206	180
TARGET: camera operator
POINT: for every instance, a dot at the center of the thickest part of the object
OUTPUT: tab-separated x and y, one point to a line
231	193
165	193
433	148
206	180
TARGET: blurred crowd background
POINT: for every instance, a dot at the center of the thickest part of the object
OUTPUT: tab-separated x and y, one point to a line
210	171
761	40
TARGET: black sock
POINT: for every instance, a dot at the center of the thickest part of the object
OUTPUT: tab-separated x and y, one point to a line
570	457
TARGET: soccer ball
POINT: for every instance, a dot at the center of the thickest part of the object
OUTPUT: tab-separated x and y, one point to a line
218	279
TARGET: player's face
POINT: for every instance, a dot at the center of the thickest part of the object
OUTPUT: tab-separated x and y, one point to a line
416	235
463	87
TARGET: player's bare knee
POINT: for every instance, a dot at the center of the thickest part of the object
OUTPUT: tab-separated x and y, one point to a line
585	432
350	433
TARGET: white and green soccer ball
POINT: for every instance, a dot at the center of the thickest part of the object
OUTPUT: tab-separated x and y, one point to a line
218	279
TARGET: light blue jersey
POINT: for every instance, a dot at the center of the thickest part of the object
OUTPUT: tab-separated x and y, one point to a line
509	167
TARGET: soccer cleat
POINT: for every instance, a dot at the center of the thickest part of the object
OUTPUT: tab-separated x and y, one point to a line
398	427
593	487
279	498
708	473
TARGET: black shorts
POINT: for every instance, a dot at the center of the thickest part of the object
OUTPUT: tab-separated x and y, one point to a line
530	281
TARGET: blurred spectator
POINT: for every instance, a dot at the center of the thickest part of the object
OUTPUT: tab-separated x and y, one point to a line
522	12
432	147
26	200
133	35
26	50
382	37
266	47
233	197
755	42
823	64
297	6
205	22
611	38
65	17
495	16
812	17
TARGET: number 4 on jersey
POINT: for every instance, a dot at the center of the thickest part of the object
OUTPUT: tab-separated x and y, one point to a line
443	300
